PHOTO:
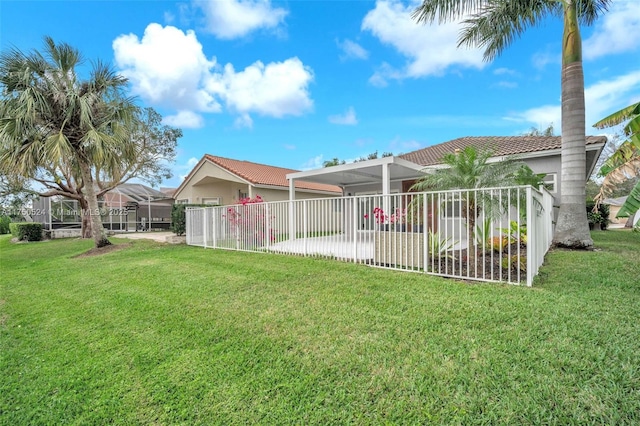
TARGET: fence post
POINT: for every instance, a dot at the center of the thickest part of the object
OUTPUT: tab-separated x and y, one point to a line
204	227
292	219
354	226
304	227
188	225
531	237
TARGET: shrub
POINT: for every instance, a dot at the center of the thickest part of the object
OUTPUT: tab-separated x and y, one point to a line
497	244
516	233
441	247
4	224
179	217
516	262
29	231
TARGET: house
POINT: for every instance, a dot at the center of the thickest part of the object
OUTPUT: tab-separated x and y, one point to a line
223	181
373	220
540	153
127	207
397	174
615	204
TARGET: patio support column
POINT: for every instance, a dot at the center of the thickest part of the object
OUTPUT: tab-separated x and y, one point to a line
386	180
386	189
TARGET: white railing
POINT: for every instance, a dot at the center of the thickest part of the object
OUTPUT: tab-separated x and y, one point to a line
495	234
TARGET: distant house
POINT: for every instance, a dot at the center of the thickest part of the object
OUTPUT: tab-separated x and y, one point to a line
127	207
223	181
615	204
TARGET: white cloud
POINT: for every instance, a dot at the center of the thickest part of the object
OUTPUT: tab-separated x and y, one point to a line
169	17
601	99
615	32
540	116
316	162
229	19
168	68
185	119
289	147
398	145
352	50
243	120
506	84
183	170
542	59
165	67
348	118
429	49
276	89
504	71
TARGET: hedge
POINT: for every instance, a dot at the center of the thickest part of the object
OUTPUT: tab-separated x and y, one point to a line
29	231
179	217
4	224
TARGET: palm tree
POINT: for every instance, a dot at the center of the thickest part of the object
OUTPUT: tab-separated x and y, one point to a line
625	161
469	168
493	25
48	114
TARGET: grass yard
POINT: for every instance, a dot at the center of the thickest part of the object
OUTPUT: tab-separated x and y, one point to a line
158	334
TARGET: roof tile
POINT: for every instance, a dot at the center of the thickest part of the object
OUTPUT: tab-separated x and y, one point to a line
501	145
262	174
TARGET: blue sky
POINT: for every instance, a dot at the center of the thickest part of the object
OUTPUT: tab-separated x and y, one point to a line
296	83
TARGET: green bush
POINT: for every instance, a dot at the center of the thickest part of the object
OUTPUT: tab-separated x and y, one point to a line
4	224
179	217
601	217
29	231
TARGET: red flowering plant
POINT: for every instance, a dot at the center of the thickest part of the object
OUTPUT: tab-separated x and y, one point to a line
398	217
248	221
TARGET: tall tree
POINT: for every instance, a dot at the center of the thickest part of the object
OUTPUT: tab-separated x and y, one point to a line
537	131
49	115
335	161
493	25
624	164
155	148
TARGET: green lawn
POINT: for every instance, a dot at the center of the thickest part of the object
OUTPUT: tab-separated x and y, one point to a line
181	335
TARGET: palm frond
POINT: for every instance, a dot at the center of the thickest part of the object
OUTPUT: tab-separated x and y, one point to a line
445	10
619	117
496	25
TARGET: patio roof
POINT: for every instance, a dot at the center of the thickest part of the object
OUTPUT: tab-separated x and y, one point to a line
139	193
383	170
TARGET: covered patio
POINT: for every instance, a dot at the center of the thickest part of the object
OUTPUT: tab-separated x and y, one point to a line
379	176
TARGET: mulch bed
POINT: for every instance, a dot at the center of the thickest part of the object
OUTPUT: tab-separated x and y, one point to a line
102	250
486	266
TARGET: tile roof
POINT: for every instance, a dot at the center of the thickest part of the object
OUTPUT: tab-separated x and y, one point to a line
262	174
501	145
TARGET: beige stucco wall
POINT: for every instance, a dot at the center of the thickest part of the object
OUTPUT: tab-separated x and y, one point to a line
211	181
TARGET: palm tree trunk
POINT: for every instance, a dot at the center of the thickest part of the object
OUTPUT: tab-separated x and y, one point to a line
97	230
86	218
572	229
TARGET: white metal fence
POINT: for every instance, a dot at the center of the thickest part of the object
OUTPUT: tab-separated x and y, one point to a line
495	234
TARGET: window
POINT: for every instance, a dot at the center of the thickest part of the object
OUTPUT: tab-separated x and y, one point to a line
550	182
183	201
216	201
